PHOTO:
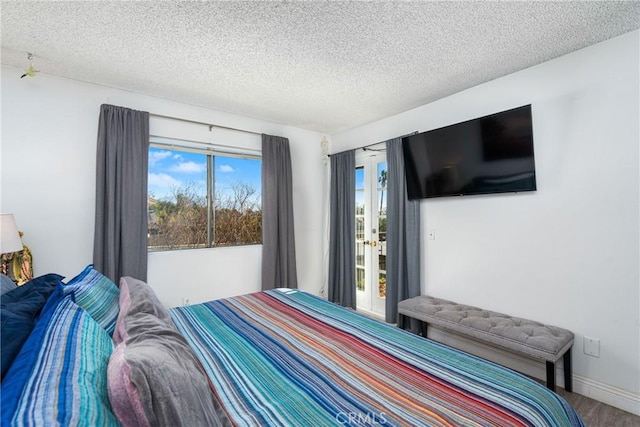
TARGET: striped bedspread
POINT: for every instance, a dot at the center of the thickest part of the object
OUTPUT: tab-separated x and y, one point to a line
285	357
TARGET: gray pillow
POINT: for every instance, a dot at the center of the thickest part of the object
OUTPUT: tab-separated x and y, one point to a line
153	377
7	284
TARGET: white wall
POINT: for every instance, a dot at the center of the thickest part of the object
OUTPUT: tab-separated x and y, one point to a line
48	151
568	254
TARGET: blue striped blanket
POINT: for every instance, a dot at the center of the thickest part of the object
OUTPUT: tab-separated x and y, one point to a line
285	357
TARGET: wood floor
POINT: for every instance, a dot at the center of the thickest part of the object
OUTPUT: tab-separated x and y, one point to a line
598	414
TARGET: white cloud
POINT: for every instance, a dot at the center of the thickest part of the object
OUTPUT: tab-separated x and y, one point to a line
157	156
226	169
162	180
189	167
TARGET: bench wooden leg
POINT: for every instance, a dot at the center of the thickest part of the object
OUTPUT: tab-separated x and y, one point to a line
568	375
551	376
402	322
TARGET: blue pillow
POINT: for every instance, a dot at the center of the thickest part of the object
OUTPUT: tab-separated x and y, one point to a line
98	295
60	375
19	310
6	284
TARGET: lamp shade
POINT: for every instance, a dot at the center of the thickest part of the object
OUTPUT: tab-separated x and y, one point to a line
9	235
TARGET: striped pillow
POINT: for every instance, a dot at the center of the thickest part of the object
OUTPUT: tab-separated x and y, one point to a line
62	377
98	295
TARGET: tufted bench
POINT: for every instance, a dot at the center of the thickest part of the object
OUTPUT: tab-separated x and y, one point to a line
522	336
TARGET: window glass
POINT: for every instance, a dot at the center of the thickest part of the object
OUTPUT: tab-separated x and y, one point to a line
382	229
238	206
200	199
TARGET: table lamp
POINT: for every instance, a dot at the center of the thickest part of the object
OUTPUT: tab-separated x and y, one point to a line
9	235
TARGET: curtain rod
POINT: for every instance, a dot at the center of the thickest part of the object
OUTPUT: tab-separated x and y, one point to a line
364	147
211	126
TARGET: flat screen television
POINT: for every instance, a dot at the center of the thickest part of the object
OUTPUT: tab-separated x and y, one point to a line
491	154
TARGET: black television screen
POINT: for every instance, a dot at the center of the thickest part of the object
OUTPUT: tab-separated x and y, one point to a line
491	154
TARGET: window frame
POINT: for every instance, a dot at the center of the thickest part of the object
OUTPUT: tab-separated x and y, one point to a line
211	151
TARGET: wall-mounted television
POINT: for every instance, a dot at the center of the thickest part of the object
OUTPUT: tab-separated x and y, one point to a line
491	154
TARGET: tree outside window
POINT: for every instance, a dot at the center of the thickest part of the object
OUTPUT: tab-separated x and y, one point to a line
200	199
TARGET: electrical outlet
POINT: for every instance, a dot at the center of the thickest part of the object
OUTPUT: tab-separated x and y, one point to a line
591	346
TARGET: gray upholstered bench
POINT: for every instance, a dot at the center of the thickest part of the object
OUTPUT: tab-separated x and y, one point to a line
522	336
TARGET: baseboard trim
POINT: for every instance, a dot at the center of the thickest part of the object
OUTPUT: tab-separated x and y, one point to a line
605	393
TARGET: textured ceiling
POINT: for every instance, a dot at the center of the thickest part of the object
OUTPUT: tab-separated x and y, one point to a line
325	66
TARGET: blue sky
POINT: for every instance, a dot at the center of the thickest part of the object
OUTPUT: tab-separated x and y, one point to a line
360	182
170	169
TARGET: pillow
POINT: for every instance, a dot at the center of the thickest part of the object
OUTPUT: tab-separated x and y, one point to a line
60	374
97	294
153	377
137	299
6	284
18	312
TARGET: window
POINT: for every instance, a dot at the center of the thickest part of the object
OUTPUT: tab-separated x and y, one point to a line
199	197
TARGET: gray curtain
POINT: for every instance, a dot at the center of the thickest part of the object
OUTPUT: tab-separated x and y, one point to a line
342	230
120	239
403	235
278	243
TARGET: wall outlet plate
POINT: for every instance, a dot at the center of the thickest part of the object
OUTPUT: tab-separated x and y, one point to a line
591	346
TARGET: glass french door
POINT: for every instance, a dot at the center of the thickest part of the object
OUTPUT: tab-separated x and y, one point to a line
371	233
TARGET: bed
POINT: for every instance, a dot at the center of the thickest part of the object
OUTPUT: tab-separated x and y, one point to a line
104	355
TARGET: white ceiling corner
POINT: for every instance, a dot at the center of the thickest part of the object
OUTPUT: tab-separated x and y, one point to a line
324	66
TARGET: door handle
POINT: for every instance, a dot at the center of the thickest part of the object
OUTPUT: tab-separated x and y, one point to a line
374	243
